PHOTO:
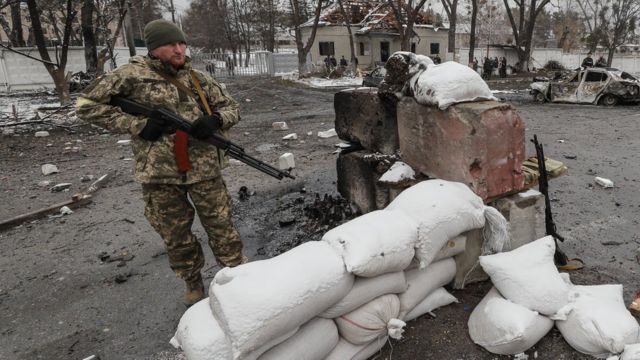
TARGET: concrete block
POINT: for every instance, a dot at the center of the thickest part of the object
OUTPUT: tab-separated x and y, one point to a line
480	144
525	213
286	161
358	174
363	118
468	269
280	125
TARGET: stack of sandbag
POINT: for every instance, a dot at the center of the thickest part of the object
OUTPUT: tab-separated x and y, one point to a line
344	296
530	293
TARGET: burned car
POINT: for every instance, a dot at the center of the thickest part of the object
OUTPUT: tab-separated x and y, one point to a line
374	78
606	86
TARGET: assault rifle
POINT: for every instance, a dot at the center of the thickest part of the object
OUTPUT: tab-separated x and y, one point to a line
170	119
543	182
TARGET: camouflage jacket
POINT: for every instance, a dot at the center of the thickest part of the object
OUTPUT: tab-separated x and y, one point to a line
155	160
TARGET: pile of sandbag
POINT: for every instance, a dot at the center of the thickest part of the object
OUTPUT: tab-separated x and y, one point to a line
530	295
342	297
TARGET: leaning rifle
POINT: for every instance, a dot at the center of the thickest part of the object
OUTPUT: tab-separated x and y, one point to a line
169	118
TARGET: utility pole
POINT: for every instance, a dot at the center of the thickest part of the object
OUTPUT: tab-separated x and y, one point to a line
173	11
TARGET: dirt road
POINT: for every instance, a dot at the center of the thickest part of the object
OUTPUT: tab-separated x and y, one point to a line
97	281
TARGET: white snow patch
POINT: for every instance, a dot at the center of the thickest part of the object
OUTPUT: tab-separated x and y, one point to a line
399	171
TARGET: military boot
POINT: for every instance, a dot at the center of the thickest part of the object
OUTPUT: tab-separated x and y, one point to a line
195	291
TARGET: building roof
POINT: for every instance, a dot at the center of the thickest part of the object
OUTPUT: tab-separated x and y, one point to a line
372	16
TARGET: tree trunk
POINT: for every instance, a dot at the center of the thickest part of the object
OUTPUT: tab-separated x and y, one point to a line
347	21
90	50
57	72
303	49
128	30
472	32
17	38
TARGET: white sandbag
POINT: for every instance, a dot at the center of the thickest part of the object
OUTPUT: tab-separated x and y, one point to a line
375	243
438	298
597	320
631	352
376	319
449	83
365	290
444	210
313	341
528	276
199	335
262	300
348	351
423	282
201	338
451	248
503	327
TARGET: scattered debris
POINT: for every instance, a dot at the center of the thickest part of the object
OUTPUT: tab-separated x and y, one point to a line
571	157
120	278
280	125
611	243
309	133
76	200
292	136
130	221
123	142
286	161
60	187
65	211
44	183
247	100
638	255
561	141
286	221
634	308
520	356
244	193
41	134
327	134
605	183
48	169
86	178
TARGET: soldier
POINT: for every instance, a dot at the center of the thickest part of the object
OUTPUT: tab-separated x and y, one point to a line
171	165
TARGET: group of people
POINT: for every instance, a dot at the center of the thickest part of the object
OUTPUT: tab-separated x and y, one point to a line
331	63
588	62
489	65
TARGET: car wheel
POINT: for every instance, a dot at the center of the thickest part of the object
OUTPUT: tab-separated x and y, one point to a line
609	100
539	97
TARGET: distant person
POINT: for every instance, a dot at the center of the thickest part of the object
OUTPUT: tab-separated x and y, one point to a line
211	68
437	60
474	64
487	68
588	61
601	63
355	61
343	61
334	62
230	66
502	67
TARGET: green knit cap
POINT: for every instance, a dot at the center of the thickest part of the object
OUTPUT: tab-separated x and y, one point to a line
162	32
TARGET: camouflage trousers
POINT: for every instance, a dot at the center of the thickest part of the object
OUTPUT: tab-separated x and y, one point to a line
171	214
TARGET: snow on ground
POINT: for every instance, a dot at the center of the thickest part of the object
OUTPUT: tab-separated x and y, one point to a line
323	82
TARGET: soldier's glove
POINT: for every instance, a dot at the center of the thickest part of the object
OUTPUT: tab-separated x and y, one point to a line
205	126
152	130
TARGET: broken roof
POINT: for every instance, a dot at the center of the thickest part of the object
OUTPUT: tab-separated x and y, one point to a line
371	16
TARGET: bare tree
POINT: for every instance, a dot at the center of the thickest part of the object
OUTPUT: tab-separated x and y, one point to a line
523	26
90	46
406	14
108	11
590	10
618	19
298	18
472	30
57	69
451	8
347	21
13	29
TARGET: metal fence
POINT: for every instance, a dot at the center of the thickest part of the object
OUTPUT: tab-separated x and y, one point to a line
20	73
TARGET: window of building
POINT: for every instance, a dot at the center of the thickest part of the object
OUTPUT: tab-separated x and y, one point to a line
363	48
435	48
413	47
326	48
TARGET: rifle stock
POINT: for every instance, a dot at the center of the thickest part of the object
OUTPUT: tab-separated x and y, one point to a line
169	118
